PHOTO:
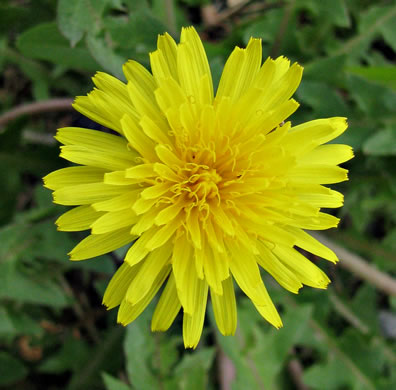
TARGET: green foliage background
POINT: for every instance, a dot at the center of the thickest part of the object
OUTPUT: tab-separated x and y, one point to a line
54	333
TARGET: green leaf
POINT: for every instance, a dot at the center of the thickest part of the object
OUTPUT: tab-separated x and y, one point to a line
330	376
192	372
75	17
383	143
11	369
45	42
370	24
384	75
277	344
106	56
16	284
137	36
362	92
327	69
11	15
73	354
6	325
106	355
112	383
70	19
139	349
324	100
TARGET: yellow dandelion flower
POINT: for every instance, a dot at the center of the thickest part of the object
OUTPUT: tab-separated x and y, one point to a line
209	188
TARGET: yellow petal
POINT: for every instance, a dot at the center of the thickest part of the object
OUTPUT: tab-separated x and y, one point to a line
268	310
167	45
83	146
310	244
107	104
193	323
99	244
156	133
138	251
331	154
163	234
137	139
183	271
317	174
156	191
163	60
141	171
87	193
151	267
319	131
306	272
78	218
193	65
321	221
224	307
119	284
240	70
216	269
128	312
72	176
119	202
119	178
167	307
246	273
279	272
113	221
145	222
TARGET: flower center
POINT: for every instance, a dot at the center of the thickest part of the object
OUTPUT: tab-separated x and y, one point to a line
203	184
199	186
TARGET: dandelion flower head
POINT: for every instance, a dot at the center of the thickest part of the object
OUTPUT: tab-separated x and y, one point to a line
209	188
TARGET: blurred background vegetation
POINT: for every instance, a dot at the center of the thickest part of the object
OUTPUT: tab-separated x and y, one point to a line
54	333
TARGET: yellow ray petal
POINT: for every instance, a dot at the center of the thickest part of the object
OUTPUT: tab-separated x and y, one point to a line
120	202
119	284
310	244
167	45
331	199
279	272
319	131
71	176
119	178
145	222
113	221
317	174
268	309
137	139
224	307
183	271
138	251
141	171
156	191
192	65
240	70
99	244
151	267
216	269
128	312
87	193
321	221
331	154
306	272
167	307
163	234
78	218
193	323
246	273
